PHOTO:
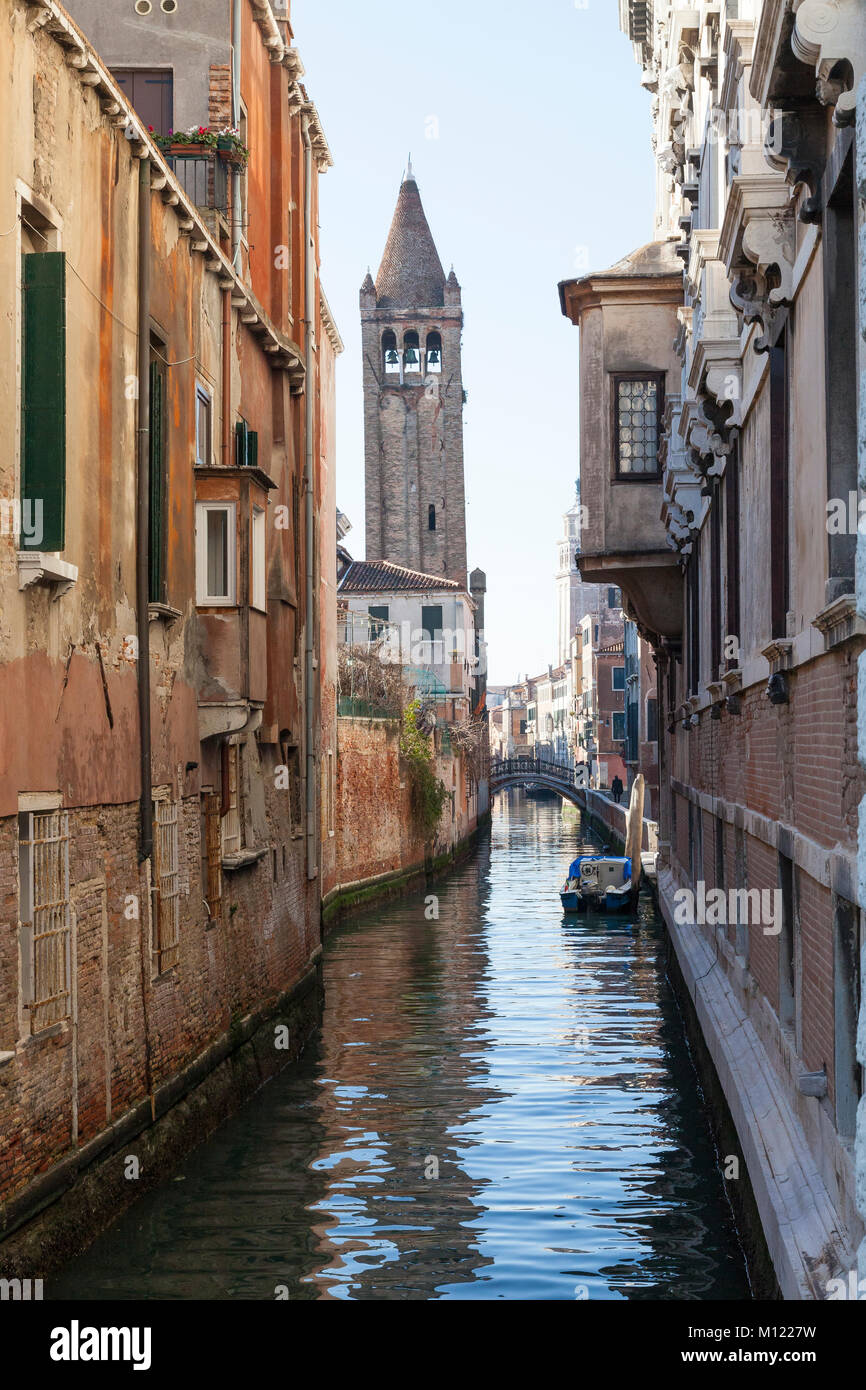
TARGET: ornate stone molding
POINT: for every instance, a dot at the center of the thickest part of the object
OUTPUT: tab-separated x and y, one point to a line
840	621
779	654
827	33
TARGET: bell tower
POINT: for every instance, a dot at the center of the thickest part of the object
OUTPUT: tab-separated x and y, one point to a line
411	327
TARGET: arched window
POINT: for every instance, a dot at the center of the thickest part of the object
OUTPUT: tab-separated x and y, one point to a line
390	355
434	352
411	352
431	517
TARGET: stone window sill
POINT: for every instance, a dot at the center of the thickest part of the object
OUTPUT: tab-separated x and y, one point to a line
243	859
39	567
163	612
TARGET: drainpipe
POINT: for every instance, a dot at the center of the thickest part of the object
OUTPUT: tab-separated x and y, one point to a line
142	585
236	122
309	310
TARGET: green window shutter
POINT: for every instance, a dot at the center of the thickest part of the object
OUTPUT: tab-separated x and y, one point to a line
241	433
156	545
43	399
252	449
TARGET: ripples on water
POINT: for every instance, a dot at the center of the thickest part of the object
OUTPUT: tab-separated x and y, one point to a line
538	1062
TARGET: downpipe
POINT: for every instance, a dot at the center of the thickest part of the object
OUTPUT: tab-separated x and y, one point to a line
309	647
142	578
237	39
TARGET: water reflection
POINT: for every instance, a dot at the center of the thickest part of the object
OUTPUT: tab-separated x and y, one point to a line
535	1063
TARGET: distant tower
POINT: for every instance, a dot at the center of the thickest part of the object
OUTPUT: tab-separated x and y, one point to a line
574	599
411	325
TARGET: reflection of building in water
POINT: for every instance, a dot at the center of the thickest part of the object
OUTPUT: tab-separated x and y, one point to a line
403	1070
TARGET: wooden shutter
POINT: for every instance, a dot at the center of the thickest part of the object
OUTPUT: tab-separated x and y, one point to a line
156	546
43	398
213	836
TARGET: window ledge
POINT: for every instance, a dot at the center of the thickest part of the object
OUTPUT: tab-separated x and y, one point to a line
163	612
39	567
243	859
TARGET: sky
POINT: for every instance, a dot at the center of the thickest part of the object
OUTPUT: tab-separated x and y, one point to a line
530	141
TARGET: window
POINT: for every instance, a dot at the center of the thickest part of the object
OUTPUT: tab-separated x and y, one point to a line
638	406
203	427
43	399
43	888
715	583
232	839
151	93
257	560
246	446
788	991
431	621
378	618
431	517
215	554
693	599
158	480
732	546
779	558
390	355
618	725
586	636
618	674
165	944
652	720
434	352
411	352
523	726
614	598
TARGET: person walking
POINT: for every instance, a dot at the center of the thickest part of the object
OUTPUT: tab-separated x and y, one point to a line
617	788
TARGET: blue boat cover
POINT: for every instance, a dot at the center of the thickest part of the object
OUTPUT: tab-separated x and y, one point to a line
574	870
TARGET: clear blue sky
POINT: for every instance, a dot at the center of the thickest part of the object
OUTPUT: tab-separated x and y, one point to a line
540	169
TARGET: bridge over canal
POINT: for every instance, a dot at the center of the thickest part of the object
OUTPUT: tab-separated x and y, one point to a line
568	782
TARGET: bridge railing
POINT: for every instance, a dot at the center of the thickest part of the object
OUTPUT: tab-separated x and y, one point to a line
529	768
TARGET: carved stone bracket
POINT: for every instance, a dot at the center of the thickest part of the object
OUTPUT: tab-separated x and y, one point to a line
796	147
826	34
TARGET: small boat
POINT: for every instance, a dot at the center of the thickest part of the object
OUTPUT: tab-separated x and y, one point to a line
599	883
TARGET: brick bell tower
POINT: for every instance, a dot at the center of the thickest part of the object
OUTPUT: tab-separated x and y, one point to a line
411	325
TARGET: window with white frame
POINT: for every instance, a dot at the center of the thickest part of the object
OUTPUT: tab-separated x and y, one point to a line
216	554
257	567
43	885
165	943
232	839
203	426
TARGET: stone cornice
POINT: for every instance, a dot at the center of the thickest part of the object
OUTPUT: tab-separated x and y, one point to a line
772	28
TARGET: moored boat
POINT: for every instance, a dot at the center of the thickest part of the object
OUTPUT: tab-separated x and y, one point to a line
597	882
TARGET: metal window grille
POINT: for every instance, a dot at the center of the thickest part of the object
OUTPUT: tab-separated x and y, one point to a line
166	916
231	821
44	905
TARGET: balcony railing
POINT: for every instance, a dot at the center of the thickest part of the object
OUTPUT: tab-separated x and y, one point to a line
204	179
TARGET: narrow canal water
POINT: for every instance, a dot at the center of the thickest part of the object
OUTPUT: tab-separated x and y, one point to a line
500	1104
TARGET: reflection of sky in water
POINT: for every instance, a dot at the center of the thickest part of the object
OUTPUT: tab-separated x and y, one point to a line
514	1116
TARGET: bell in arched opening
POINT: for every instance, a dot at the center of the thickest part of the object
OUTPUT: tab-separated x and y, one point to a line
411	352
434	352
389	351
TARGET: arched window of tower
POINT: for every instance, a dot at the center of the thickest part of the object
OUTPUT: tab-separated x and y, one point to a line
390	355
431	517
411	351
434	352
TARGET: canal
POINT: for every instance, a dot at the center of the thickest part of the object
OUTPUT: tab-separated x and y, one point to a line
499	1104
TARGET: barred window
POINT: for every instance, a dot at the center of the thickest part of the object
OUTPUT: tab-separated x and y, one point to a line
638	405
43	879
165	944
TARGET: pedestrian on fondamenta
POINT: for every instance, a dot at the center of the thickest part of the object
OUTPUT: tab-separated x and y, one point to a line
616	788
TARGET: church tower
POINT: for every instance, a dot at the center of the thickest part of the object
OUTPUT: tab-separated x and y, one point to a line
411	325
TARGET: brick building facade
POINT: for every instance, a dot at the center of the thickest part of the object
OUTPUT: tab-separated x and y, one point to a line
718	413
163	777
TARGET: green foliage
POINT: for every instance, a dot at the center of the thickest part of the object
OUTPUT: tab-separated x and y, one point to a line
429	793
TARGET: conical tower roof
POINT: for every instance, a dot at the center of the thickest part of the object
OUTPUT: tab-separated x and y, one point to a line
411	274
